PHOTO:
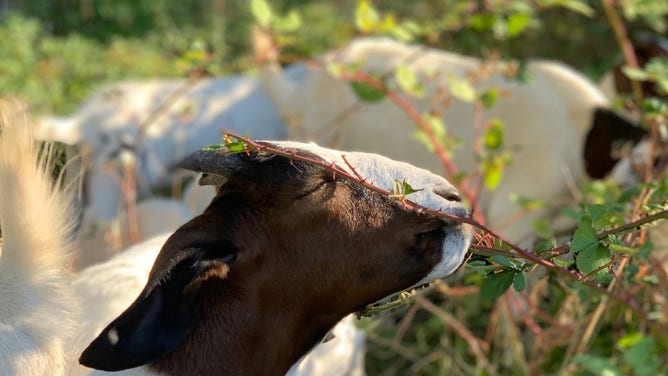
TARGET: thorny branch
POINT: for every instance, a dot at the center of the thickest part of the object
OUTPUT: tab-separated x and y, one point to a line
515	251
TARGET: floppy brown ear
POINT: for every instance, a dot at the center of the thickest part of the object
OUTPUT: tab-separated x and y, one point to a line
607	130
161	318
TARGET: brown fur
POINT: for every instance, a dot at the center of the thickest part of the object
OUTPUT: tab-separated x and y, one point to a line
307	311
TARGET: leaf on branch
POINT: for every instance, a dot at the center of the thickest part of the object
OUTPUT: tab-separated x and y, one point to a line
462	89
493	137
494	285
503	260
401	189
489	98
366	92
519	283
213	147
585	238
589	260
408	81
237	146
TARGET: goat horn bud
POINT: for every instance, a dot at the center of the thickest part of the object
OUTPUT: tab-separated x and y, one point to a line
215	164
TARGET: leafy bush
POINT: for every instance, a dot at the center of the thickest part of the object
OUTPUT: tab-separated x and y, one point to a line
592	303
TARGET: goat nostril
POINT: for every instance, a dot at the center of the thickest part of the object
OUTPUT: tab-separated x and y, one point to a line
449	195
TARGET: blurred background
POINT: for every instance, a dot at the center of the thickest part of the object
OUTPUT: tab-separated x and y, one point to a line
55	53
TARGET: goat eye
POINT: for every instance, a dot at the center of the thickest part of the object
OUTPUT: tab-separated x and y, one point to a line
314	188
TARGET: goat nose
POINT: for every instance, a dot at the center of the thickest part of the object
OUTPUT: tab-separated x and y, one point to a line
448	192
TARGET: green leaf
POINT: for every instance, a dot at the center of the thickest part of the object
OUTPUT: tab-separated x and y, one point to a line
261	12
436	126
493	137
489	98
519	283
503	260
291	22
402	188
408	81
641	357
585	238
461	89
492	171
496	284
366	17
237	146
635	74
366	92
213	147
517	23
482	22
598	365
589	260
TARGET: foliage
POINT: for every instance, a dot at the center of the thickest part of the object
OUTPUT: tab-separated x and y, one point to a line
590	303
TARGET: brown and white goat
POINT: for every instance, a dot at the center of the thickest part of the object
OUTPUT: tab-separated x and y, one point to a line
284	251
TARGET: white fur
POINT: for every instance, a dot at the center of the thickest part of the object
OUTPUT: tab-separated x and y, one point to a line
545	119
113	116
37	312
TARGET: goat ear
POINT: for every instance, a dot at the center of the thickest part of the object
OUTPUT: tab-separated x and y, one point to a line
161	318
607	130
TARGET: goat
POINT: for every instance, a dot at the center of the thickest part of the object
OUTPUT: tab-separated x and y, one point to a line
284	251
45	311
37	311
545	120
146	128
105	290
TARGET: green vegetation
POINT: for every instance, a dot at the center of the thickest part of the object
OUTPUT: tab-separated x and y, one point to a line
595	305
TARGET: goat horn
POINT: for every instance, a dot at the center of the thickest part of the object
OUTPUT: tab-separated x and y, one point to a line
217	162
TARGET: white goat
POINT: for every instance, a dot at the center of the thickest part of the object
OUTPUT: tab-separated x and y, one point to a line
147	127
37	311
546	119
233	292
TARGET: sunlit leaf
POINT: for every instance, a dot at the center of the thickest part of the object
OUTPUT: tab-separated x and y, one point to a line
366	17
635	73
236	146
489	98
402	188
517	23
261	12
213	147
493	137
492	171
290	22
408	81
461	89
